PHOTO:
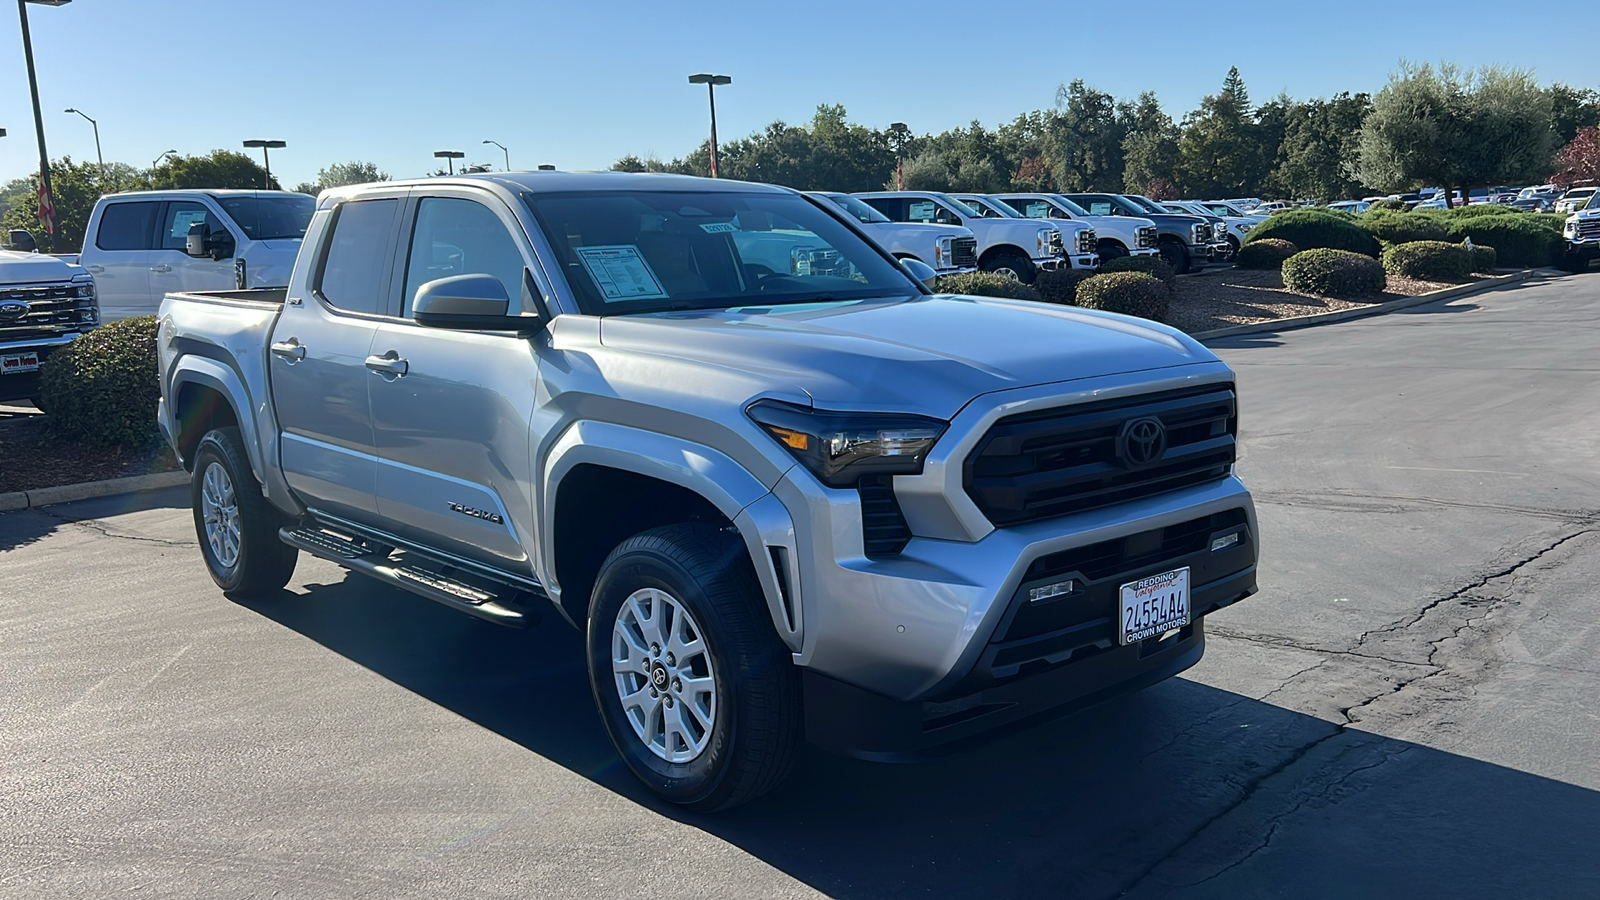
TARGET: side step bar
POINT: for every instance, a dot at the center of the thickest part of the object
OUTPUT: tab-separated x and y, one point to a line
438	588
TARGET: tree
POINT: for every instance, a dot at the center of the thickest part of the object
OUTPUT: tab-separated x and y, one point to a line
1219	151
1580	158
1571	109
1084	136
1452	128
77	186
221	169
1150	150
1321	142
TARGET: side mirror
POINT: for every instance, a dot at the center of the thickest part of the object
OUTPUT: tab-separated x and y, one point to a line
921	271
474	302
200	242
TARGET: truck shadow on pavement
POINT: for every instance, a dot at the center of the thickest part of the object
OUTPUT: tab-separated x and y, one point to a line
1180	790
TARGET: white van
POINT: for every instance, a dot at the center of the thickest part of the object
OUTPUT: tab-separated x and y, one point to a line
135	244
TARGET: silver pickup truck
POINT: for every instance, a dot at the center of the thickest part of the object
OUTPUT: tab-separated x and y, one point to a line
786	491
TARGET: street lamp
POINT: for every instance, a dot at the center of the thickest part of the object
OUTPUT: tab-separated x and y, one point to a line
97	153
502	150
451	155
266	160
898	132
711	82
46	193
150	178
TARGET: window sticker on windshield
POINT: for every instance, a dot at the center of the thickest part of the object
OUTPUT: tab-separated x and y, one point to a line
718	227
183	218
621	273
921	209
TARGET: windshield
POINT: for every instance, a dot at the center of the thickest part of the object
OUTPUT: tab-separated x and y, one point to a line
860	211
990	209
1223	209
1144	203
271	218
1070	207
1594	201
658	251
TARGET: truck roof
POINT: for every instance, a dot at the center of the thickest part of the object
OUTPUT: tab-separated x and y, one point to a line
556	182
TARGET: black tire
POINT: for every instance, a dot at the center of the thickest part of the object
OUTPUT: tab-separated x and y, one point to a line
1013	264
751	744
263	563
1110	250
1176	255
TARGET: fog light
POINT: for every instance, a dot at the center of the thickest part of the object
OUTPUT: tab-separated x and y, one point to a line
1224	542
1051	591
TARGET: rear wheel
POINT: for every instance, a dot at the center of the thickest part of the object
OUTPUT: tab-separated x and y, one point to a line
237	527
1176	255
1013	266
697	693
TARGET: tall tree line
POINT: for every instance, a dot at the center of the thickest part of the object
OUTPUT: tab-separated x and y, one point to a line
1428	126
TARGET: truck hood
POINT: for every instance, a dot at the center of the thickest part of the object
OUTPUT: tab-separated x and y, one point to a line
929	355
928	228
33	268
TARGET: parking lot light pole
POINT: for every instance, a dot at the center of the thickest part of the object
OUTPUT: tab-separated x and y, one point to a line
502	150
46	193
711	82
898	132
151	177
97	154
451	156
266	160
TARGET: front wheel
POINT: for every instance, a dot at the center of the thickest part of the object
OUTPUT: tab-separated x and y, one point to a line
1110	250
694	688
1176	256
1012	266
237	527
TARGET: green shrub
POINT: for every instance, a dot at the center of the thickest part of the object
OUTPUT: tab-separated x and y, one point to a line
1473	210
1520	240
1129	293
101	389
986	284
1153	266
1428	261
1403	228
1337	213
1265	254
1061	285
1484	258
1333	273
1388	205
1313	229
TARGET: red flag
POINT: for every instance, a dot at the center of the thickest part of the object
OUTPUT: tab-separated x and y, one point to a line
47	209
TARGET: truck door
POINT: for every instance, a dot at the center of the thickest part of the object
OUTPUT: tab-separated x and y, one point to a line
120	258
451	418
319	362
173	270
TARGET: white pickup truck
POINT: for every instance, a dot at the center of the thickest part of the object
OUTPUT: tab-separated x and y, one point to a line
949	249
45	304
1006	246
1117	235
136	244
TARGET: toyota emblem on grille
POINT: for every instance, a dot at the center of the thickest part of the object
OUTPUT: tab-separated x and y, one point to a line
12	310
1141	442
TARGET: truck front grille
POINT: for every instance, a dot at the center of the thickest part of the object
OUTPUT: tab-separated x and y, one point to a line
1087	241
1589	230
1147	237
1036	465
964	252
52	309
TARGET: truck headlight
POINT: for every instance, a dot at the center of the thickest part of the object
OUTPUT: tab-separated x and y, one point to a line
1570	228
942	253
840	447
1044	242
1244	227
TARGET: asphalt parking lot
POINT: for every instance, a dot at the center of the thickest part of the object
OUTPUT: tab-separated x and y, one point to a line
1407	709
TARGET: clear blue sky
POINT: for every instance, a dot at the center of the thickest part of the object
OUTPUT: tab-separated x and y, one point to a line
580	84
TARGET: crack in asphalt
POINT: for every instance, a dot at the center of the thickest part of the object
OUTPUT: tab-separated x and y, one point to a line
1329	500
1342	729
104	530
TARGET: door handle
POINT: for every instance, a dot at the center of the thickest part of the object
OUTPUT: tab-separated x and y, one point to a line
161	268
389	366
290	351
97	269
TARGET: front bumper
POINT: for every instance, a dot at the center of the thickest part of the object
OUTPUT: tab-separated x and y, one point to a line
1219	253
958	270
25	385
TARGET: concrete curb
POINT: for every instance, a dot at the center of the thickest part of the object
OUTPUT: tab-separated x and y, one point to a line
66	493
1361	312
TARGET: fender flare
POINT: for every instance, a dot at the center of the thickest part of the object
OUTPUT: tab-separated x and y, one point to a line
218	377
713	475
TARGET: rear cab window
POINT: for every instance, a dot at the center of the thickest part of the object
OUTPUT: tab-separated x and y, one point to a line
355	260
127	226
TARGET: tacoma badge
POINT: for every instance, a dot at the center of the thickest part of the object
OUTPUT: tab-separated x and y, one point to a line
476	513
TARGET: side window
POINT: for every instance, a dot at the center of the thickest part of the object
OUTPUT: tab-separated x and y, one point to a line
179	216
351	275
1101	208
1037	209
460	237
921	211
126	226
893	208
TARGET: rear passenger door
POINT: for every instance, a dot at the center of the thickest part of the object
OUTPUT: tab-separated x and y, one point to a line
120	259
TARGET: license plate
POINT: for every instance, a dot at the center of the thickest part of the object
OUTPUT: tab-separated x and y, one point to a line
1155	605
17	363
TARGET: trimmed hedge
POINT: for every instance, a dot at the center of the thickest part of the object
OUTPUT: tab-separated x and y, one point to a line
1266	254
1153	266
1061	285
1484	258
1317	229
1521	240
1403	228
1429	261
1333	273
101	389
1389	205
986	284
1129	293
